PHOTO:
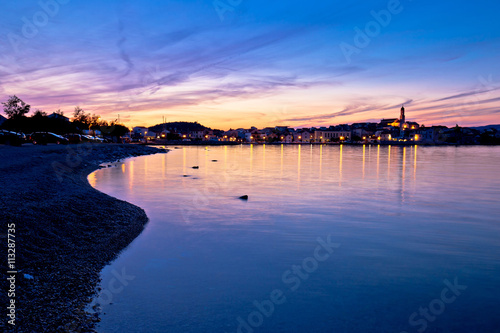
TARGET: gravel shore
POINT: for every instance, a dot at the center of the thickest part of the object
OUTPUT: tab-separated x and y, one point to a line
65	231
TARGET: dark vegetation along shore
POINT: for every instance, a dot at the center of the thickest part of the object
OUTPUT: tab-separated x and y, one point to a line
66	231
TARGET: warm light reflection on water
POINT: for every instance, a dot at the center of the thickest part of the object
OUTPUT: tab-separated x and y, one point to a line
340	165
92	179
406	218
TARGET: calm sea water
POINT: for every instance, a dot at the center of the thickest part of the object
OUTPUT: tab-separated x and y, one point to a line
332	239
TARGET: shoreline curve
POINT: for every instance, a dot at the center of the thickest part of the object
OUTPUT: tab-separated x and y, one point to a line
66	230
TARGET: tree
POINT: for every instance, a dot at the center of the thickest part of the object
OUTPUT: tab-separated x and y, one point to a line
39	113
80	116
59	112
15	107
94	121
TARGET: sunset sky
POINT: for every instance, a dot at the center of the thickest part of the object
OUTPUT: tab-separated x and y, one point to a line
242	63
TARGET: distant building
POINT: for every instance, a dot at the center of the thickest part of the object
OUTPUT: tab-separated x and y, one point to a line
197	134
326	136
248	136
281	128
162	135
384	136
361	133
306	136
150	135
140	131
432	134
58	116
412	125
389	123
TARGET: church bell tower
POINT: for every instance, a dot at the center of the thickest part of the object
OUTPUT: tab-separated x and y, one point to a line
402	119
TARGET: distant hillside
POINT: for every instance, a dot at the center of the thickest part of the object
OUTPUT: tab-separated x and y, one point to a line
482	128
180	126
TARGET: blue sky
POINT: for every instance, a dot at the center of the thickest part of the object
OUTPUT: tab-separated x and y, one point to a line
233	63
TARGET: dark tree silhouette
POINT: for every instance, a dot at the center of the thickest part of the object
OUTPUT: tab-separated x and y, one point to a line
15	107
80	116
39	113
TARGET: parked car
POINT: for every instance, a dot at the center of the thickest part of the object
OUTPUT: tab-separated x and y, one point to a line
86	138
11	138
74	138
89	138
42	138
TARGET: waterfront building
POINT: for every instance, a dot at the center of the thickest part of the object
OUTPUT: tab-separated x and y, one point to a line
388	123
328	136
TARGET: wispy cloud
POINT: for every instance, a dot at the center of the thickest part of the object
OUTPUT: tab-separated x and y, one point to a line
150	57
467	94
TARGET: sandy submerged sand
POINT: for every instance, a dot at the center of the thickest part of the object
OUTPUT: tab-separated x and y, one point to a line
66	231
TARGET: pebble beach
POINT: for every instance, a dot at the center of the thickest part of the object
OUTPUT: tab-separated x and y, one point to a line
65	231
